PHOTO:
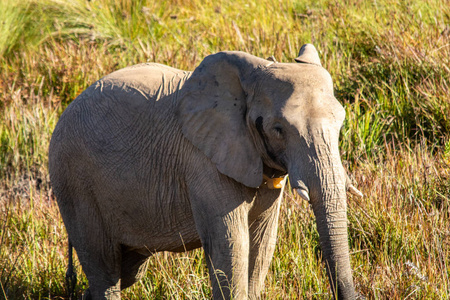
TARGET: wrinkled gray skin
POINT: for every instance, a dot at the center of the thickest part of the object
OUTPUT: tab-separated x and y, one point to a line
151	158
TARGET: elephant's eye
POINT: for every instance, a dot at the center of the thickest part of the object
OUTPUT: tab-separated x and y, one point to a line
278	130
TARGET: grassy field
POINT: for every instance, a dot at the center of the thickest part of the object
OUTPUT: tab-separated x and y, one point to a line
390	60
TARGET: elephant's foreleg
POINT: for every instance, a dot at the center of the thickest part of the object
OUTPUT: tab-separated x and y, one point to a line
263	234
221	218
225	242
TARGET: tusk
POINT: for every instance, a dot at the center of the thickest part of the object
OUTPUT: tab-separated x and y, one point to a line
304	194
354	191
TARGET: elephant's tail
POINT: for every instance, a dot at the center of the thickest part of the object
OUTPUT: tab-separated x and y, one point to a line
71	275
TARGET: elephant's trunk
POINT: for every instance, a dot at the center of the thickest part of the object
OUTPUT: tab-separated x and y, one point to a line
327	191
329	203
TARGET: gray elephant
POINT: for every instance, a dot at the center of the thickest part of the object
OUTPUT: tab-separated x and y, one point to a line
151	158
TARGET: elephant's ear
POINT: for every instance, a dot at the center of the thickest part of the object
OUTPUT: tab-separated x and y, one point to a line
212	111
308	55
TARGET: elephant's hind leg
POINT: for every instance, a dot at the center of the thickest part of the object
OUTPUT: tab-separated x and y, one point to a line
98	253
133	267
101	264
102	269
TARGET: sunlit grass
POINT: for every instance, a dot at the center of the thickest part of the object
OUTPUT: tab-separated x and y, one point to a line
399	238
390	61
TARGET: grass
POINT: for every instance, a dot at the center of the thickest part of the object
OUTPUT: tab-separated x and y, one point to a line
390	64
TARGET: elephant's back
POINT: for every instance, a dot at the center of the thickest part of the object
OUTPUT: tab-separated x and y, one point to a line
126	99
112	120
117	145
154	81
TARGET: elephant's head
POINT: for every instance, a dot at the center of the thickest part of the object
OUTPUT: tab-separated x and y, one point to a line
253	117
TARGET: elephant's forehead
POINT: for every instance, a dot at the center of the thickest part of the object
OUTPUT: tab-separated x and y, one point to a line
304	77
315	109
310	95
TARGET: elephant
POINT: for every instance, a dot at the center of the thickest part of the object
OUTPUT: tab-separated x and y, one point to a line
151	158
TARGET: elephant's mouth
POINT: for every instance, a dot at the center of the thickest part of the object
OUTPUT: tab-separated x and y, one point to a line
273	178
273	173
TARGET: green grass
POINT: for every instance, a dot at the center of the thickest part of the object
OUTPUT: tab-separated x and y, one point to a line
390	61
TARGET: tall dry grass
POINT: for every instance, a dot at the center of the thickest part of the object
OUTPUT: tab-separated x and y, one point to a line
390	64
